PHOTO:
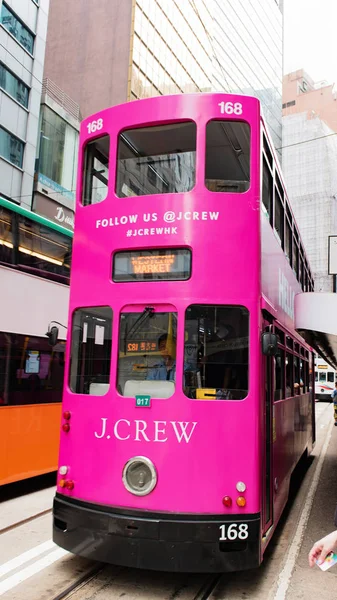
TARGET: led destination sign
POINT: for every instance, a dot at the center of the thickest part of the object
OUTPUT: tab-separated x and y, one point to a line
152	265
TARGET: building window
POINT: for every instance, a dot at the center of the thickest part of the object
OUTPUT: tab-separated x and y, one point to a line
11	148
58	150
14	86
156	160
227	156
17	29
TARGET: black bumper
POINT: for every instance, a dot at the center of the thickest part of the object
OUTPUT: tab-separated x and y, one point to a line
164	542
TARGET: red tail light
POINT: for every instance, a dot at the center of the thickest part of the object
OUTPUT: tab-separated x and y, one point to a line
66	427
66	415
227	501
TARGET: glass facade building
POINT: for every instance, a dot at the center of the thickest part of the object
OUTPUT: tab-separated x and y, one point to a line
209	45
247	59
171	48
58	150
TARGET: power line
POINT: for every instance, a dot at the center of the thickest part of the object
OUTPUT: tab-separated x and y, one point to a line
321	137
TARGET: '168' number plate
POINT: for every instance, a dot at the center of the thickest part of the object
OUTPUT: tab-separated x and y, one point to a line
234	531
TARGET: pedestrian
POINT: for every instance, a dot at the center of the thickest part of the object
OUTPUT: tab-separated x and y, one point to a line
322	548
334	398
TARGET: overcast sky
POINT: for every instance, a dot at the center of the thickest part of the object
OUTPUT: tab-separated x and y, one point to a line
310	38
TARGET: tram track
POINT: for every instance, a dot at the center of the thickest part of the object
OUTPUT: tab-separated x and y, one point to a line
204	592
24	521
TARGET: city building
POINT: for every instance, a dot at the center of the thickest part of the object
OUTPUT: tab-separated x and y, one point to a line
120	51
35	232
309	157
23	32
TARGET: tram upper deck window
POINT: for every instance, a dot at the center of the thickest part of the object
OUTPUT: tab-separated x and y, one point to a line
147	354
156	160
227	156
91	350
96	170
216	352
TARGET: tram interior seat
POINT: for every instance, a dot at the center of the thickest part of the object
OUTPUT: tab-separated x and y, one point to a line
227	185
155	389
98	389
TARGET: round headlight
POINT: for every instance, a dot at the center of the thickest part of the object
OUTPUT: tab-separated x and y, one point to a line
139	476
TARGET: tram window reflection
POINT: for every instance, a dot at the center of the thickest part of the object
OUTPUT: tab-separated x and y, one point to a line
156	160
279	375
147	354
30	371
227	156
216	352
289	375
96	170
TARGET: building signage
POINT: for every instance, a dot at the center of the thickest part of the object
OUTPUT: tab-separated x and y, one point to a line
53	211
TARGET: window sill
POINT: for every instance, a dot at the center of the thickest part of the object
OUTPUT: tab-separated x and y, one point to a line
17	41
11	164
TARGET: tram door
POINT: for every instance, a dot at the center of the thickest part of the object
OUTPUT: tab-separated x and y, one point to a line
267	374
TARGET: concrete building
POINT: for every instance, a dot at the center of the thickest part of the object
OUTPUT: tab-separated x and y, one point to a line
23	31
119	51
309	158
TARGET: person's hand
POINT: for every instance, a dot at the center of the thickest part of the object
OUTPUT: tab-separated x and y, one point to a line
322	548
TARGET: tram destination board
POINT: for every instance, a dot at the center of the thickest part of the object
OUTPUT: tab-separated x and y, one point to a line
152	265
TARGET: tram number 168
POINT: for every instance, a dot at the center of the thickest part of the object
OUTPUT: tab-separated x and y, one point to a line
230	108
233	532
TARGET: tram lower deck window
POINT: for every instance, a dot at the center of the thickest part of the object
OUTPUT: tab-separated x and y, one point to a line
216	352
156	160
147	354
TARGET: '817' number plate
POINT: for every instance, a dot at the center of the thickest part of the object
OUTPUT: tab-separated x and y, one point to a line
234	531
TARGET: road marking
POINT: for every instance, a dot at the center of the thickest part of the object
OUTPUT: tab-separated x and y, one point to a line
25	557
286	573
31	570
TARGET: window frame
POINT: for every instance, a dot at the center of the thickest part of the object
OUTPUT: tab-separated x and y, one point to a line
3	89
20	167
292	348
231	121
85	174
23	25
149	126
75	354
248	317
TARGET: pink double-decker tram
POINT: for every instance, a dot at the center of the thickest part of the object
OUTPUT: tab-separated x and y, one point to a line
188	396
